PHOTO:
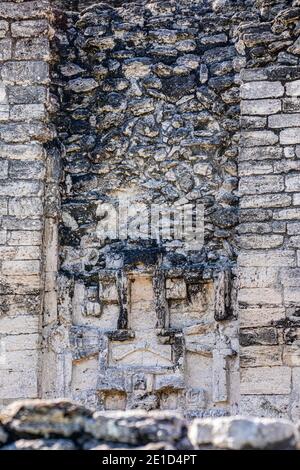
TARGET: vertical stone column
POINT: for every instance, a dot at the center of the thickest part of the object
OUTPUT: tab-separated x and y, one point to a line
269	280
24	78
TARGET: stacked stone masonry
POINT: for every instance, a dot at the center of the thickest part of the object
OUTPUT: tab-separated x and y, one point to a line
169	103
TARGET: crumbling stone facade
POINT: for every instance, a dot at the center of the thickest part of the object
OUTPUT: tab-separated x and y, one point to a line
164	103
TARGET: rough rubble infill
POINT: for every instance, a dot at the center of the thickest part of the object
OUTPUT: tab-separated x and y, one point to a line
63	425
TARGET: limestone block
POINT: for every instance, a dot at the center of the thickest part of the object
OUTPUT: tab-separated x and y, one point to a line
21	342
199	372
260	336
24	132
27	170
143	353
290	136
261	89
260	153
267	200
32	151
253	122
25	72
255	138
4	26
292	183
291	355
32	49
260	356
291	105
253	75
83	372
293	88
259	168
176	289
27	112
25	238
253	277
20	324
294	242
260	241
3	94
136	69
296	199
275	380
22	188
115	401
108	291
287	214
28	95
260	107
261	184
28	28
18	384
19	361
259	296
3	169
5	49
276	258
80	85
24	268
270	406
284	120
291	295
25	207
4	112
31	9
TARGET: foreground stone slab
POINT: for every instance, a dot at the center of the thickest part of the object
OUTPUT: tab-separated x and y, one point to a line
136	427
45	418
239	433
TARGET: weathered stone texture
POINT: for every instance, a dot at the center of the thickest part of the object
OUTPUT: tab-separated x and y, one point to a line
148	111
23	129
268	299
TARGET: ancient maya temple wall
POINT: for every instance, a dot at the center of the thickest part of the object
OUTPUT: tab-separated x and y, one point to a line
174	104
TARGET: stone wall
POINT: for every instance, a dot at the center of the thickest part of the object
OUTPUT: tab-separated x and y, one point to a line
148	98
24	79
166	103
57	425
269	214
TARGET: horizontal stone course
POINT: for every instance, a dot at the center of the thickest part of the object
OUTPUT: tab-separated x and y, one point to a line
293	88
29	9
290	136
261	184
261	107
257	90
28	28
260	153
25	72
254	138
274	380
23	268
284	120
266	200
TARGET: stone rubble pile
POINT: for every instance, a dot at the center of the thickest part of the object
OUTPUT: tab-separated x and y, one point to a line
63	425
